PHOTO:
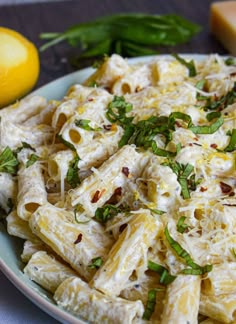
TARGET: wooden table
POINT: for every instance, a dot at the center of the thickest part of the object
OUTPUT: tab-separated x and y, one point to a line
32	19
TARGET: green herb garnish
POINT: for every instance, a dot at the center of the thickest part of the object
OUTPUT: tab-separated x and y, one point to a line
84	123
117	110
151	303
96	263
103	214
230	61
211	129
23	146
182	253
8	161
66	143
125	34
222	102
189	65
157	211
32	159
165	277
181	226
72	175
232	143
233	252
183	172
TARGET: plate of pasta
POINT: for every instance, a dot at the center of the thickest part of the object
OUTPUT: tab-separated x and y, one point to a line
117	192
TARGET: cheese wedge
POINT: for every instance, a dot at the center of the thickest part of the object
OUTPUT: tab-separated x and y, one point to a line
223	23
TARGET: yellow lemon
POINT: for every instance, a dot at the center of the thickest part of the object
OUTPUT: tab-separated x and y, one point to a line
19	66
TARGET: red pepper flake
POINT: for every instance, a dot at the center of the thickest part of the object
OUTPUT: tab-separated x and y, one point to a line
225	188
232	193
90	99
107	127
122	227
98	194
190	144
118	191
195	139
202	189
214	146
79	239
125	170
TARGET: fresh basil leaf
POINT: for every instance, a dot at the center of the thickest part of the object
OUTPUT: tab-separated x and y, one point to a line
182	253
66	143
8	161
84	124
166	278
230	61
72	175
96	263
32	159
181	226
211	129
189	65
150	306
103	214
23	146
232	143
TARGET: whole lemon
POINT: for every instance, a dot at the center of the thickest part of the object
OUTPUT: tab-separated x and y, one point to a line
19	66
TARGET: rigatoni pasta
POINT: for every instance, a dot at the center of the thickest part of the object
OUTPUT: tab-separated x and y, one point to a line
124	191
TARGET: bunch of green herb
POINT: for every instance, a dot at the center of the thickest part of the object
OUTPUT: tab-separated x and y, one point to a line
126	34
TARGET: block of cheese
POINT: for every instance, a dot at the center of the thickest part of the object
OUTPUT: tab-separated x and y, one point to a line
223	23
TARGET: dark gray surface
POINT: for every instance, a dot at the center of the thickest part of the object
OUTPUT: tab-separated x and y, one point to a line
32	19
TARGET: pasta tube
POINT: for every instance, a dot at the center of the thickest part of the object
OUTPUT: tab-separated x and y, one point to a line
182	300
31	190
76	243
47	271
221	307
129	253
24	109
99	187
18	227
78	298
32	246
114	68
221	280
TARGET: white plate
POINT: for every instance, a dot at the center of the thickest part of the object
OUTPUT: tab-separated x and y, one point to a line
11	247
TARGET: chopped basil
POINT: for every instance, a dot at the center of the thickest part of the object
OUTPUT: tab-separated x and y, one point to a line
232	143
181	226
72	175
183	173
166	278
79	209
157	211
178	115
117	110
84	123
208	129
212	115
223	102
190	65
23	146
96	263
93	84
182	253
32	159
66	143
103	214
199	271
151	303
8	161
233	252
230	61
200	84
